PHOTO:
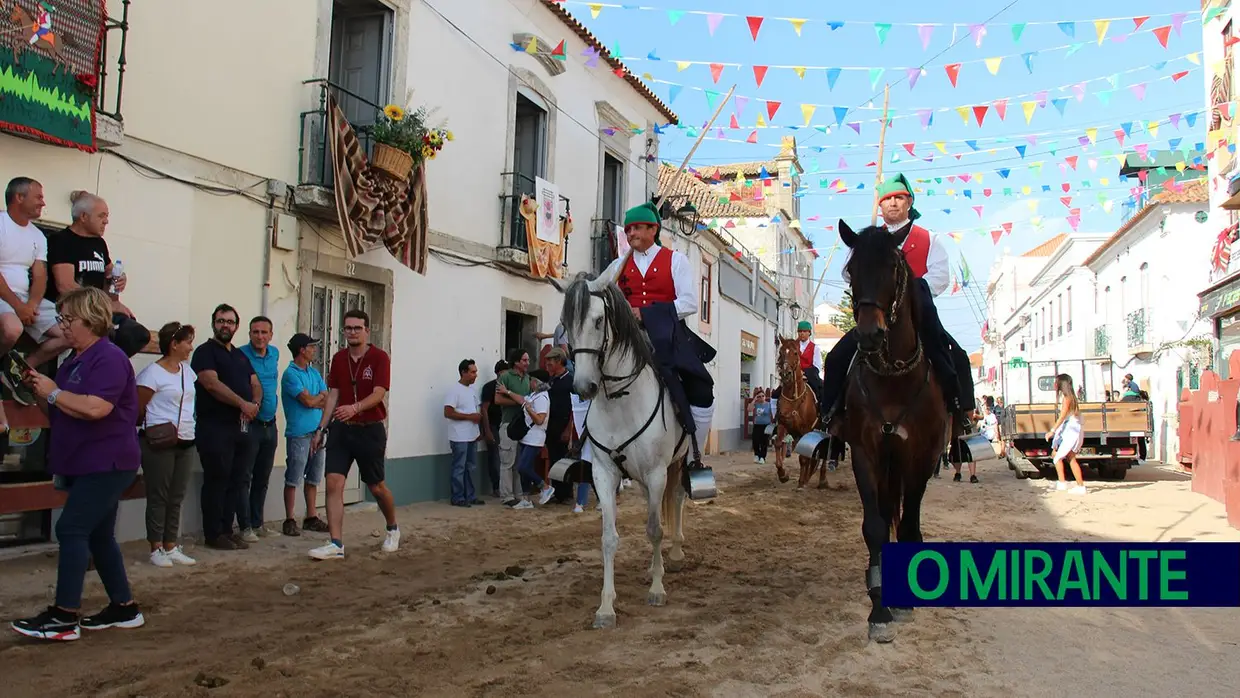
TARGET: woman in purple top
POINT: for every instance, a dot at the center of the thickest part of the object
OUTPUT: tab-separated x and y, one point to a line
93	411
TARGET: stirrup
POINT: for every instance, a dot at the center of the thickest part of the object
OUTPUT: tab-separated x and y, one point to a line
697	479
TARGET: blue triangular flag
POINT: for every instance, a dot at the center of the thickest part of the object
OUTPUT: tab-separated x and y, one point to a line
1060	104
1159	65
651	57
833	74
673	92
1029	59
968	193
971	144
1190	119
1174	143
840	113
835	25
1068	28
1004	172
1127	128
763	174
1021	149
1046	187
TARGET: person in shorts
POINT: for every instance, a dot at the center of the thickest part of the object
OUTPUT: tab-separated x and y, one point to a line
305	396
23	282
357	383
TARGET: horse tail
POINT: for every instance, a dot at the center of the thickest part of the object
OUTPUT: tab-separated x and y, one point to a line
668	506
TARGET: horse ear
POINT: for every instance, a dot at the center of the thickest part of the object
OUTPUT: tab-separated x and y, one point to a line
902	234
559	285
847	234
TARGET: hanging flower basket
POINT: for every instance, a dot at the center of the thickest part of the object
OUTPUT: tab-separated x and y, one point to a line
395	162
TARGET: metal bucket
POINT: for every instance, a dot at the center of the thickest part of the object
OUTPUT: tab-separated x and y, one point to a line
809	443
572	471
980	447
700	483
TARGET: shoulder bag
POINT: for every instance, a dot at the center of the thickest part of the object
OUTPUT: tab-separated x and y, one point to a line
162	437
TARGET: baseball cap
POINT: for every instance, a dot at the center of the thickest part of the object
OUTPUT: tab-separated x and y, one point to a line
300	341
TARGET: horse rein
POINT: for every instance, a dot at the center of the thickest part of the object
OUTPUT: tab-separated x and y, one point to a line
879	360
601	352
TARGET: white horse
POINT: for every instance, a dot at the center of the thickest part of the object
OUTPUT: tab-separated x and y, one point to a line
631	425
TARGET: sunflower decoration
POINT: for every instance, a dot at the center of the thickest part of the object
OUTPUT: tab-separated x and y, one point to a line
410	131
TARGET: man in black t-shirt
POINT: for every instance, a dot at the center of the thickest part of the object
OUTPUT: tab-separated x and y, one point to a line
559	415
490	426
78	256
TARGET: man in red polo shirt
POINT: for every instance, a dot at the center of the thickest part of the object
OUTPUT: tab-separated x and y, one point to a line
357	382
927	257
661	287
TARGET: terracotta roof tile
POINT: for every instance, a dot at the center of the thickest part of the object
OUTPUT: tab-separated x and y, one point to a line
827	331
975	359
1193	192
704	197
742	169
615	63
1047	248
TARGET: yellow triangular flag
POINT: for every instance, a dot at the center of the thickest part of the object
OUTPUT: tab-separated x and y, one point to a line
647	76
595	8
1028	108
1122	159
1107	205
941	146
797	24
796	223
964	113
991	151
977	176
681	65
1104	181
1025	190
1033	204
761	122
1217	67
1180	166
1194	58
951	192
992	64
1092	133
800	71
532	47
1152	127
1036	221
1101	26
807	110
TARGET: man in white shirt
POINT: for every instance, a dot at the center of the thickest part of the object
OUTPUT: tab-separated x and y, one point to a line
661	288
462	409
811	358
927	257
23	283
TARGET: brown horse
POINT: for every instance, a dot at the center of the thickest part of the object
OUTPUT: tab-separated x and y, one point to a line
26	28
798	412
895	418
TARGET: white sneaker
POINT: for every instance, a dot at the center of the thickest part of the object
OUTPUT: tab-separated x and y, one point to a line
757	459
1079	489
762	460
577	509
178	556
249	536
159	558
523	504
626	483
546	495
1061	486
392	541
331	551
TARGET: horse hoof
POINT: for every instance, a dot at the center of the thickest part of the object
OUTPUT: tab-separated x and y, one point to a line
902	615
882	632
784	478
603	622
655	599
824	486
673	565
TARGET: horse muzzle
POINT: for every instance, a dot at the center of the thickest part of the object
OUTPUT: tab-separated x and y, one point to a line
871	340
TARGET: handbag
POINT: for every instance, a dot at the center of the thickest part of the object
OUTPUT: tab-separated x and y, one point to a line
162	437
517	429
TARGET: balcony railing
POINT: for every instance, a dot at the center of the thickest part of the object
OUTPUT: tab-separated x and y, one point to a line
1102	342
1138	328
602	244
314	153
115	38
512	223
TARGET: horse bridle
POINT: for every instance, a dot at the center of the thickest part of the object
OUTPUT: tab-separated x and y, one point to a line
879	360
791	375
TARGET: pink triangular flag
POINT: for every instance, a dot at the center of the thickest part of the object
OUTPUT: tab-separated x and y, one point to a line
1079	90
909	148
1001	107
716	69
753	137
924	31
994	234
712	21
1138	90
979	210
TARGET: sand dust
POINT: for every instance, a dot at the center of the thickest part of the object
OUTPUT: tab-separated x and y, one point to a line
770	603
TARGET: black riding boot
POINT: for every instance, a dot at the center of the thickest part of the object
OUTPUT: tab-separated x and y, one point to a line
934	344
835	375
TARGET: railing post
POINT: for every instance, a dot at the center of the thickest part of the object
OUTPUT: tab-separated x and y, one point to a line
121	60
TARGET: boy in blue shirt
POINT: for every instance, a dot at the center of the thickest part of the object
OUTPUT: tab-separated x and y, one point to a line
305	396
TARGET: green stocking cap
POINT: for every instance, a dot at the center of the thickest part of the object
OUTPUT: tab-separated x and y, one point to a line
899	185
646	213
804	325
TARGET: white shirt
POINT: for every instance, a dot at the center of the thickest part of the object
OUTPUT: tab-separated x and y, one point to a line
682	276
817	355
990	426
580	409
464	400
20	247
162	409
540	403
938	269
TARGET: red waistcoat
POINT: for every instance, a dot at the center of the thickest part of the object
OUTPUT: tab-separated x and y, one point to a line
917	249
657	286
807	356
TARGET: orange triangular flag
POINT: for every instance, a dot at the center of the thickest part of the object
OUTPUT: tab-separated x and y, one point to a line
979	113
755	23
909	147
734	124
716	69
1071	160
1162	33
953	71
753	138
559	49
759	72
771	107
1138	21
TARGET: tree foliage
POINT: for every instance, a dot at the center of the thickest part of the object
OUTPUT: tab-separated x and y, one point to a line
845	320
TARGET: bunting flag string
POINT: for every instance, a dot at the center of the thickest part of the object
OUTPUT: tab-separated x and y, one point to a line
952	69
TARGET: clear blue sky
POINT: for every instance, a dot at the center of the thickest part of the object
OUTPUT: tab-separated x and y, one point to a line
638	32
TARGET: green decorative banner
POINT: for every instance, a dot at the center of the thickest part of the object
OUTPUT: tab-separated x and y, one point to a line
49	61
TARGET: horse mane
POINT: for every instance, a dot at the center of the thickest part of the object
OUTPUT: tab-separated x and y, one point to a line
875	247
627	335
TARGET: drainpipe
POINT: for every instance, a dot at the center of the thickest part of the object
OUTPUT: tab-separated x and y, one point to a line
271	229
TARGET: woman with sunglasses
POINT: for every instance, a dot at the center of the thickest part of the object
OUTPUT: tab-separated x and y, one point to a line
92	408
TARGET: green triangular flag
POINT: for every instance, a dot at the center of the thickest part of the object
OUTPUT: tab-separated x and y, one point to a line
1017	30
711	96
1104	96
882	28
875	75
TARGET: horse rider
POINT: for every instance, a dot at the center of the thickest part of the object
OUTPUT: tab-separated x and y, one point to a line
42	28
927	257
811	358
661	288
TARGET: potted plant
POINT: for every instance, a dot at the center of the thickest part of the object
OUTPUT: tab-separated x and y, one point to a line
404	139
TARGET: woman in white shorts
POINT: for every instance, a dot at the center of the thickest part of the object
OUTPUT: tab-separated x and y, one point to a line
1066	436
